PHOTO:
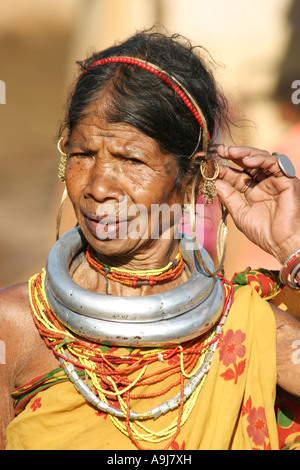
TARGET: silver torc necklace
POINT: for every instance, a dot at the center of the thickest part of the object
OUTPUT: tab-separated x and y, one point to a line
172	317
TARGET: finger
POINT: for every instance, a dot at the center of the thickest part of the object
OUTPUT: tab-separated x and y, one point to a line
240	152
244	184
241	156
236	178
233	200
250	157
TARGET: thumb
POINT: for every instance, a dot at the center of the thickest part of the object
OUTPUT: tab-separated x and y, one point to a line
232	200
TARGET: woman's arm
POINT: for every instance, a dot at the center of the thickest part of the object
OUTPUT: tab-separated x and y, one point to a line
23	355
6	405
288	351
9	344
266	209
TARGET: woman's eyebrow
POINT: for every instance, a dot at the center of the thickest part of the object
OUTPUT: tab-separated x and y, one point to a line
131	150
85	145
106	134
78	145
127	149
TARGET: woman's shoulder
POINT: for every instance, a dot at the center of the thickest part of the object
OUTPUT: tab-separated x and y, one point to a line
26	354
14	306
16	291
17	328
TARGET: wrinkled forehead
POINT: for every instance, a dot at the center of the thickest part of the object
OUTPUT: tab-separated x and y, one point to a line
94	132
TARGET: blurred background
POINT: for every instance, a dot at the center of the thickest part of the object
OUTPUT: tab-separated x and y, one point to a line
255	43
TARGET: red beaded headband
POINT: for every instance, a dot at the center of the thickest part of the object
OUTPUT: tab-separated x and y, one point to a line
172	82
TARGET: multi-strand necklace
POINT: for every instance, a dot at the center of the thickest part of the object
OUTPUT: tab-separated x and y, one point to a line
112	377
151	277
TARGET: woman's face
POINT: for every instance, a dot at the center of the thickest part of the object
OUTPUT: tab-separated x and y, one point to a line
118	179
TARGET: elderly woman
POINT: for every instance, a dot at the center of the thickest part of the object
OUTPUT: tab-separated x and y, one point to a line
131	338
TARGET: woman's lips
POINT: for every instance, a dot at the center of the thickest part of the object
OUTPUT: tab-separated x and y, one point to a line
106	228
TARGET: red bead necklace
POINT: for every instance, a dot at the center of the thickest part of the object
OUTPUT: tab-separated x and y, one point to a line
171	272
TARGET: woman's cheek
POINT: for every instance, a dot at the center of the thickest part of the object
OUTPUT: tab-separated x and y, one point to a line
75	177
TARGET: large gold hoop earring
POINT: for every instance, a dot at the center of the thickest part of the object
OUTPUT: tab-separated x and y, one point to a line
59	215
61	176
222	239
221	235
62	163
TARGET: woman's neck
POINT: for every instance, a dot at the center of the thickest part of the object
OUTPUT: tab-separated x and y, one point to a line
158	257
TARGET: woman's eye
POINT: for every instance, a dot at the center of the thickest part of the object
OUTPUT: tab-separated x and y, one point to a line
135	161
80	154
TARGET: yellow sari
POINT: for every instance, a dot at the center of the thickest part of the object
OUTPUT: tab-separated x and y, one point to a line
234	409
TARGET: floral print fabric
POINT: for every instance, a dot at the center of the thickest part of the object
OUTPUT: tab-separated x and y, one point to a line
234	409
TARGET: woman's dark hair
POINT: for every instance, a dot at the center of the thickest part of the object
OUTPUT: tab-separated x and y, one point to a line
144	100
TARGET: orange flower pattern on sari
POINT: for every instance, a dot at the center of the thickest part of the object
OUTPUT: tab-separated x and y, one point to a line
230	350
175	446
257	425
257	428
36	404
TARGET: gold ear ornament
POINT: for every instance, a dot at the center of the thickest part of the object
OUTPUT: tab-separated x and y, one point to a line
61	176
62	163
210	190
209	187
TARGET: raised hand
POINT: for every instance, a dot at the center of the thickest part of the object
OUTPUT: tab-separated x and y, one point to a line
262	200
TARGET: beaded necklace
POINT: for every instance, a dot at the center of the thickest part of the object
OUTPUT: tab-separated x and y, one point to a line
137	278
108	375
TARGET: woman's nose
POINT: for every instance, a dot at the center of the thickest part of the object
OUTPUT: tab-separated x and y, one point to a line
103	184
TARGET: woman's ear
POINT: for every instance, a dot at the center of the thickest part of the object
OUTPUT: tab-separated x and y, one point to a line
64	143
194	173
